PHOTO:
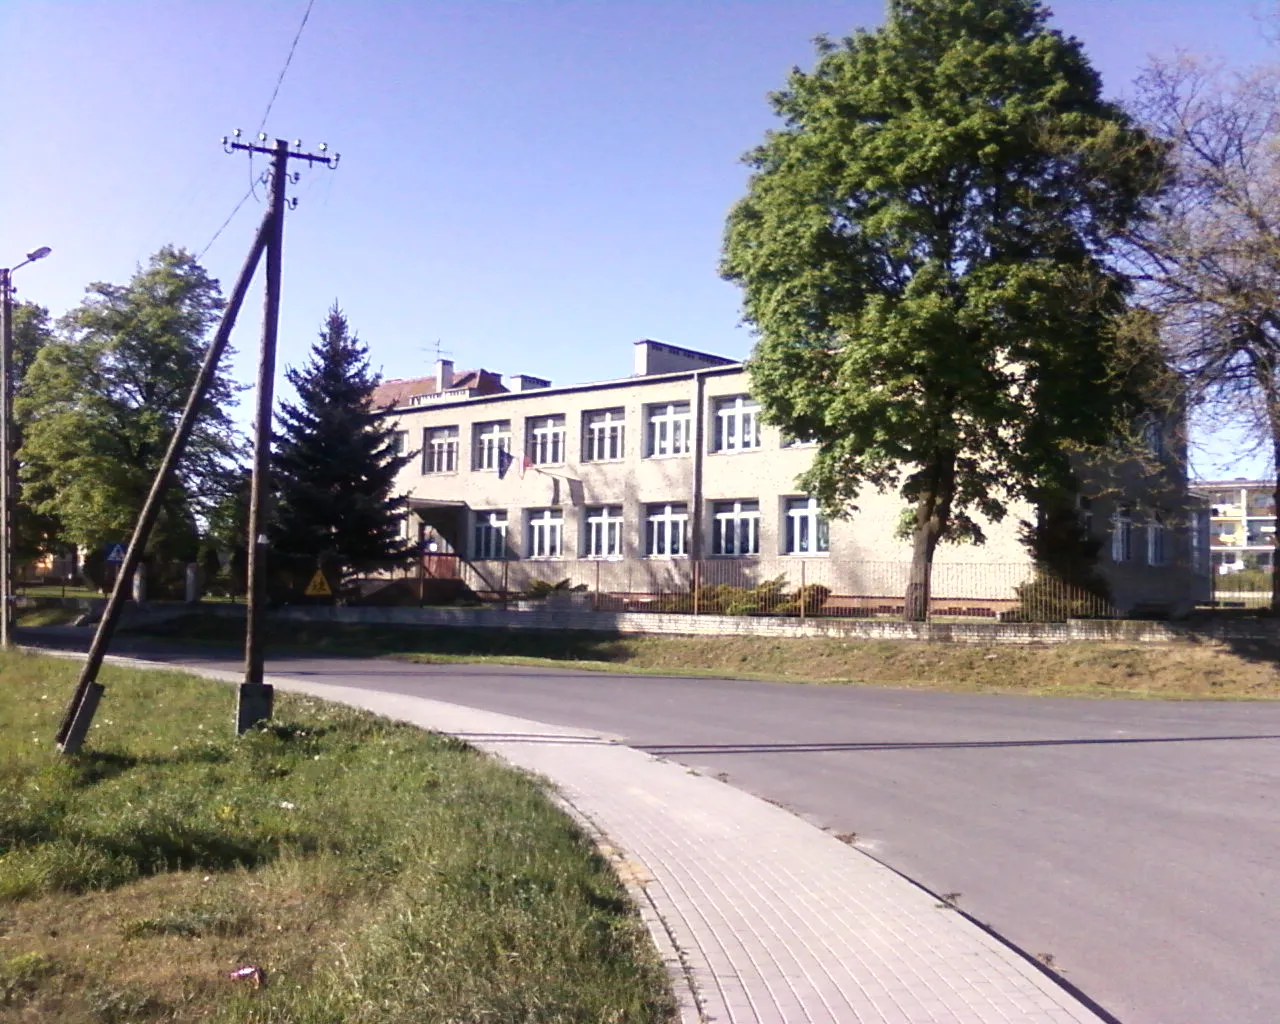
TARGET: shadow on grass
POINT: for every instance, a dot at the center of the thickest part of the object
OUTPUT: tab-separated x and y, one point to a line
91	767
359	639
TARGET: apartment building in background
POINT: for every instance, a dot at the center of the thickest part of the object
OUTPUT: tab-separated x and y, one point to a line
668	477
1242	523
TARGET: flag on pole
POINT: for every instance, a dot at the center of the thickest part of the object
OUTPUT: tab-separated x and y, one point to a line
525	463
505	459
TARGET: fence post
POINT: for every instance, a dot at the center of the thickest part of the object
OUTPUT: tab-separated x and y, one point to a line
504	584
595	601
804	597
693	582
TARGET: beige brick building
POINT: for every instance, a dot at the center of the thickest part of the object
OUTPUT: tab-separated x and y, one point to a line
667	478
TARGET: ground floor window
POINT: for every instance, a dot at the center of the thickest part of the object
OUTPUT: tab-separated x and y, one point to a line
1157	541
603	532
807	529
735	528
490	537
546	533
1122	535
667	529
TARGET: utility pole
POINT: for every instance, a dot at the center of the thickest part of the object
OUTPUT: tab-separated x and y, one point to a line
8	478
255	698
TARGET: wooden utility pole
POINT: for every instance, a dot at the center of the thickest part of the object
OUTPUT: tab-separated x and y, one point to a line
256	698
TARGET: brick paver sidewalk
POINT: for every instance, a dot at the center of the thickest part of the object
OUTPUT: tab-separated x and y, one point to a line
763	917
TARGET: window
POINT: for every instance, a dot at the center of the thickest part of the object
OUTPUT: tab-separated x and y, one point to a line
1084	513
667	530
737	424
735	528
791	441
807	530
490	438
399	441
1260	533
1122	535
1157	537
604	531
545	445
603	435
670	430
490	539
1153	436
440	450
546	533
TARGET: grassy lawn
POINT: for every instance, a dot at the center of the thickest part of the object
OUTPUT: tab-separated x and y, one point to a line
376	873
1174	670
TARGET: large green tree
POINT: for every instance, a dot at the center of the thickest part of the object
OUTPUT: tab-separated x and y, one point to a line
100	401
336	461
925	251
35	533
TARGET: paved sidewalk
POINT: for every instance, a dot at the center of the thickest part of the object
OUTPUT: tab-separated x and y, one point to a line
774	919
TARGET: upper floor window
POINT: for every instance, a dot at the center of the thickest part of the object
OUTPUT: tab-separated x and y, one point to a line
1153	437
1084	513
1122	535
603	532
792	441
440	450
546	533
737	424
603	435
667	529
545	444
807	529
490	439
735	528
490	537
669	430
400	441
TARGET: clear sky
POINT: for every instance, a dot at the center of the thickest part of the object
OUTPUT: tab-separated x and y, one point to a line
536	184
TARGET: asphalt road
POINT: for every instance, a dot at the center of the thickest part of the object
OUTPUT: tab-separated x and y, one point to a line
1136	843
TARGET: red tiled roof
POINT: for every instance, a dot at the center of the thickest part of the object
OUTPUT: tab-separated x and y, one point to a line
396	393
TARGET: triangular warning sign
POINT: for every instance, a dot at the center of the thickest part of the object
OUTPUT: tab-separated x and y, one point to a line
319	586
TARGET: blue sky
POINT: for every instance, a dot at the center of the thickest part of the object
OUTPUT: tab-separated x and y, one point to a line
535	184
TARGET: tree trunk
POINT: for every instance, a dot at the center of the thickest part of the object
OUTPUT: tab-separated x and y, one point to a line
1266	377
933	512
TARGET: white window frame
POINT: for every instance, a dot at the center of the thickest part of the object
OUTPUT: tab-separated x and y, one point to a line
545	531
440	448
489	535
737	424
490	438
735	528
602	531
546	440
807	530
667	530
604	435
1122	536
668	430
1157	541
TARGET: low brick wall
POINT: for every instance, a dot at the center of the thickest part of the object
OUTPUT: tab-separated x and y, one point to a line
552	617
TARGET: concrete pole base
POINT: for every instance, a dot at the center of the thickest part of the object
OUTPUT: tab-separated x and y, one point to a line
253	705
83	719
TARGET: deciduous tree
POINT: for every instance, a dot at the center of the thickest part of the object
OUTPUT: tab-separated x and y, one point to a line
925	252
100	401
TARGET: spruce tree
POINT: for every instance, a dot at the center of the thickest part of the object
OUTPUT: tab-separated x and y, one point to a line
335	462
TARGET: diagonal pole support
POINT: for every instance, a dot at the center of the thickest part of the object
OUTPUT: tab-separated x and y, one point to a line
79	714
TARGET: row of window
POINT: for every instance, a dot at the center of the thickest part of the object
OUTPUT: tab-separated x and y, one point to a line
668	431
735	530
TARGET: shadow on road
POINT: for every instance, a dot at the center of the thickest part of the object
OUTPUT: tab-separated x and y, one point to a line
820	748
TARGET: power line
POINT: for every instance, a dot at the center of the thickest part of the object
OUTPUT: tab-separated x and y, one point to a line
287	61
243	199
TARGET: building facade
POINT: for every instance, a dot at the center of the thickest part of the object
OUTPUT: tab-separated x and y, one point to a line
668	480
1242	524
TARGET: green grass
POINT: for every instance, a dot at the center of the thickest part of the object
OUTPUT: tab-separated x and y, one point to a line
1087	669
376	872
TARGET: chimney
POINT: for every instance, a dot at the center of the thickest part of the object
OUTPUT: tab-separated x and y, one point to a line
444	374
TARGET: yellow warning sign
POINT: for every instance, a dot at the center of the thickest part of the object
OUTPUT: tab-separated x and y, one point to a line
319	586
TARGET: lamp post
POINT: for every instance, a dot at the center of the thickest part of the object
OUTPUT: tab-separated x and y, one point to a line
6	443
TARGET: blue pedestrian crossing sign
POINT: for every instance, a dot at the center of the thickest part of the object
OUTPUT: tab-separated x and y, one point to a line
115	552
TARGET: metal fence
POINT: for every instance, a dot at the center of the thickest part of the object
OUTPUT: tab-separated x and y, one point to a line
797	587
1248	588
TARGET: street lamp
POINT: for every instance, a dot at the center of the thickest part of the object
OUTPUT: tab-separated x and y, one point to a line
6	447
